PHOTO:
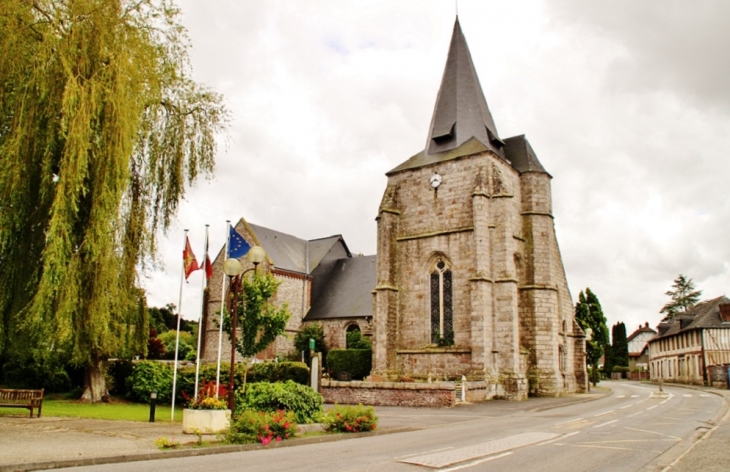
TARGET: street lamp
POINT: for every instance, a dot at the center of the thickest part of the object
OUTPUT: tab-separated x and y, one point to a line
234	270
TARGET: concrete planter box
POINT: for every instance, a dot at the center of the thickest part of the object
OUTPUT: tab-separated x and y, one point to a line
206	421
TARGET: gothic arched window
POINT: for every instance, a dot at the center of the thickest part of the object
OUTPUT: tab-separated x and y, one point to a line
442	313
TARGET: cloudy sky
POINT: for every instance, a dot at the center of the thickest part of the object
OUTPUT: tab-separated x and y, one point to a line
626	103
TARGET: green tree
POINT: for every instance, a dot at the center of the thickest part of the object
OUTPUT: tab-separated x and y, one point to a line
620	345
101	132
311	331
259	321
683	295
589	314
186	345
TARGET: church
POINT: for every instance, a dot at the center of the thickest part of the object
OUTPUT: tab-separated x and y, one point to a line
468	278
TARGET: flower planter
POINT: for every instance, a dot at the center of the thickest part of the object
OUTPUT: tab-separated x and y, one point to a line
205	421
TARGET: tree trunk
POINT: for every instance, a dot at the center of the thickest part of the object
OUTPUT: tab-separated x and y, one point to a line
94	382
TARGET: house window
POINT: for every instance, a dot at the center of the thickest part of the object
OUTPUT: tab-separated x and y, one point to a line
561	358
442	314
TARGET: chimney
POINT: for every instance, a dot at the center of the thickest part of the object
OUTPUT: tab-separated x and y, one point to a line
725	312
646	325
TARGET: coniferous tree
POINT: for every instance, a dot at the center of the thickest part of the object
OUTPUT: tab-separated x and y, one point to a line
101	130
589	314
620	346
683	295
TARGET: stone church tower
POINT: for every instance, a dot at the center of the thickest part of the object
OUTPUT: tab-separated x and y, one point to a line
470	279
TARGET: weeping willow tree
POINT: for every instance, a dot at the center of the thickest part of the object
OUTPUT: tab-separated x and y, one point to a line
101	131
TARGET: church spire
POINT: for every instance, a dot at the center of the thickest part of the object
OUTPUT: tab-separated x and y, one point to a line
461	111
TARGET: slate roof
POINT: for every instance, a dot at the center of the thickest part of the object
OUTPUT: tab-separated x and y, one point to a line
348	293
286	251
462	124
701	316
520	154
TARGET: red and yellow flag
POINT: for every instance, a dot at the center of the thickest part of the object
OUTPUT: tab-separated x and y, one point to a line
189	261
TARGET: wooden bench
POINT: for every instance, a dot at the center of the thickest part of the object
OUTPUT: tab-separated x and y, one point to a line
15	398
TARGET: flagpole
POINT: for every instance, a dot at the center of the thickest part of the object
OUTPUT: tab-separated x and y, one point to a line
202	310
223	296
177	337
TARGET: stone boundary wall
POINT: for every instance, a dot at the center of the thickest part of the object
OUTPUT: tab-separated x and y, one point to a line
439	394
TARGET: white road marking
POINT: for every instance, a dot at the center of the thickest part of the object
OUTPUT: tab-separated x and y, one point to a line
560	438
427	452
635	396
652	407
471	464
604	424
627	406
687	395
604	413
620	396
569	421
438	460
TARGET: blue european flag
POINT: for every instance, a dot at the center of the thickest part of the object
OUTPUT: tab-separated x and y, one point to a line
237	246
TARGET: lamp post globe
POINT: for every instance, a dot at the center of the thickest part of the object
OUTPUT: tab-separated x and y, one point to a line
232	267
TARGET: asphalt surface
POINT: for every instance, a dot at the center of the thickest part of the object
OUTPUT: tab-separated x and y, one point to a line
54	442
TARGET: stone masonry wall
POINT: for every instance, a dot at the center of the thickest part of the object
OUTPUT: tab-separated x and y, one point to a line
389	393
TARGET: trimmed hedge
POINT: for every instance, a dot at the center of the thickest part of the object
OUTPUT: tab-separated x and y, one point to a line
153	375
358	362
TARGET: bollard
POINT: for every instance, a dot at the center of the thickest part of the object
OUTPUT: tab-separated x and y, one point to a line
661	380
153	401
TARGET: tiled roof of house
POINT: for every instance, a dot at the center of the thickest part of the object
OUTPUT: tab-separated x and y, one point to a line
704	315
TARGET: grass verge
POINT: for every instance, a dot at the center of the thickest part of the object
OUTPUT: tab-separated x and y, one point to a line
116	410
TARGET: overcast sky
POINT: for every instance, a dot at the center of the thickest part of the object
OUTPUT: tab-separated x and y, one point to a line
627	105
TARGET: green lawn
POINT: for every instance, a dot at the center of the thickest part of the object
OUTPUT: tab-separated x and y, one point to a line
106	411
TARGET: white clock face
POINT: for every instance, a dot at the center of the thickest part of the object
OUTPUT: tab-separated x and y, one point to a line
435	180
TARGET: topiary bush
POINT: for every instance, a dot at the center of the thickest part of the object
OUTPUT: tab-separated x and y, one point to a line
303	401
350	419
357	362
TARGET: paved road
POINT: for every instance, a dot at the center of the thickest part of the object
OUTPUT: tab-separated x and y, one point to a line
634	429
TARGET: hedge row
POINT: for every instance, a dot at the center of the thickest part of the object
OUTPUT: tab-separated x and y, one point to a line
358	362
149	376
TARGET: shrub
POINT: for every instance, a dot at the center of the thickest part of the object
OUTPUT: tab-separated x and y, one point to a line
47	374
350	419
252	426
304	402
357	362
355	340
119	371
150	376
279	372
